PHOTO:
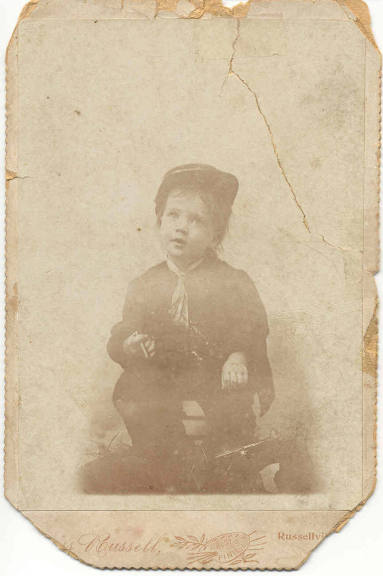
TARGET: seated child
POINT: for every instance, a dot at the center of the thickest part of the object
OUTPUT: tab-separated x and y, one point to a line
193	327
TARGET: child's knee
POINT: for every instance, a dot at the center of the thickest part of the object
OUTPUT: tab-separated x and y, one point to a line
130	410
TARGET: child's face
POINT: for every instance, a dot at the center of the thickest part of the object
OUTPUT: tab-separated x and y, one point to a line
186	228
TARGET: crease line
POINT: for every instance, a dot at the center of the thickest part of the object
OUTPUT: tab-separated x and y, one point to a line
276	154
338	247
266	122
234	49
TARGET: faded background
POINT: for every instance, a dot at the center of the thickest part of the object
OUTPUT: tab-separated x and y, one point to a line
100	127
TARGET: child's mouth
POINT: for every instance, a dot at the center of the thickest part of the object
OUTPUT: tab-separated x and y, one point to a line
179	242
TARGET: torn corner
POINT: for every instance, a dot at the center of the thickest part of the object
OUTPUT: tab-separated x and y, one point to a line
28	9
351	513
64	548
361	16
25	13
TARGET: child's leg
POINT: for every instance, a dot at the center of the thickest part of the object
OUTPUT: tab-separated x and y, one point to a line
154	425
230	418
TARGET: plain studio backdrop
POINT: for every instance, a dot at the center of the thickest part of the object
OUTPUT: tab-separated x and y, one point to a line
354	549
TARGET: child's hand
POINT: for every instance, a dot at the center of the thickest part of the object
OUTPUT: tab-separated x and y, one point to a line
140	345
234	372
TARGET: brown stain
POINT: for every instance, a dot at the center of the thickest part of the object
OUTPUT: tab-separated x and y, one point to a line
10	175
166	6
370	348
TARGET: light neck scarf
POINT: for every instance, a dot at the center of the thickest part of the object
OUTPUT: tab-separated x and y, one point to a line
179	309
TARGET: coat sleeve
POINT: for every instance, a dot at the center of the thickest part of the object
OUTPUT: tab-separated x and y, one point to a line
250	326
250	336
132	320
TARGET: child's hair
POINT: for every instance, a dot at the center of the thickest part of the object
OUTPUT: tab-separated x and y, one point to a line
215	188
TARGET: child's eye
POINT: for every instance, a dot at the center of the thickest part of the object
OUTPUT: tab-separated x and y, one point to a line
173	213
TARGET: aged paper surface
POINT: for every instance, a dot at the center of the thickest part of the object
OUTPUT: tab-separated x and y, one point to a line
215	408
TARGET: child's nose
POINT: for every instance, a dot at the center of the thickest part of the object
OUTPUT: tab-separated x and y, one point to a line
182	225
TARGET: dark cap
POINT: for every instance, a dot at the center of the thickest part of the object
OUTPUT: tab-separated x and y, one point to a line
221	187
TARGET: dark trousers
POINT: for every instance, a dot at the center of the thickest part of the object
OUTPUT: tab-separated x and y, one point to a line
155	421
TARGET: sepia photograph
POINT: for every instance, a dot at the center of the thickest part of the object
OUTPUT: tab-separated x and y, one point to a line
192	242
192	344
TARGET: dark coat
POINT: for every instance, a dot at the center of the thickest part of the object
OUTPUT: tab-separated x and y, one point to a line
226	315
